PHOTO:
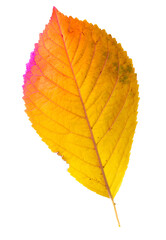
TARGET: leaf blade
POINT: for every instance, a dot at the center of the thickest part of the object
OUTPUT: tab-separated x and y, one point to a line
82	86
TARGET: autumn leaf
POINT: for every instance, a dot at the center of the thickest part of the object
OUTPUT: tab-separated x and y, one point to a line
81	95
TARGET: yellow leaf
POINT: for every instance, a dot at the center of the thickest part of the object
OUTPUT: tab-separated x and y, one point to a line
81	95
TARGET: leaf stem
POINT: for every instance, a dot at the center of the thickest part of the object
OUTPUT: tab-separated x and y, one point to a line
116	212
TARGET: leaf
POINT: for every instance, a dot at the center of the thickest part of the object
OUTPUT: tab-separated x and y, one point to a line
81	95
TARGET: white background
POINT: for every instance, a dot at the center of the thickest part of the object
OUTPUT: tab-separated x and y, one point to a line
38	197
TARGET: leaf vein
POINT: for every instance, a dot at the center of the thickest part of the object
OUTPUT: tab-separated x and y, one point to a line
89	66
71	153
90	178
116	144
116	116
76	48
107	99
42	112
97	78
119	164
88	123
49	100
44	45
52	65
81	55
42	74
54	132
55	43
